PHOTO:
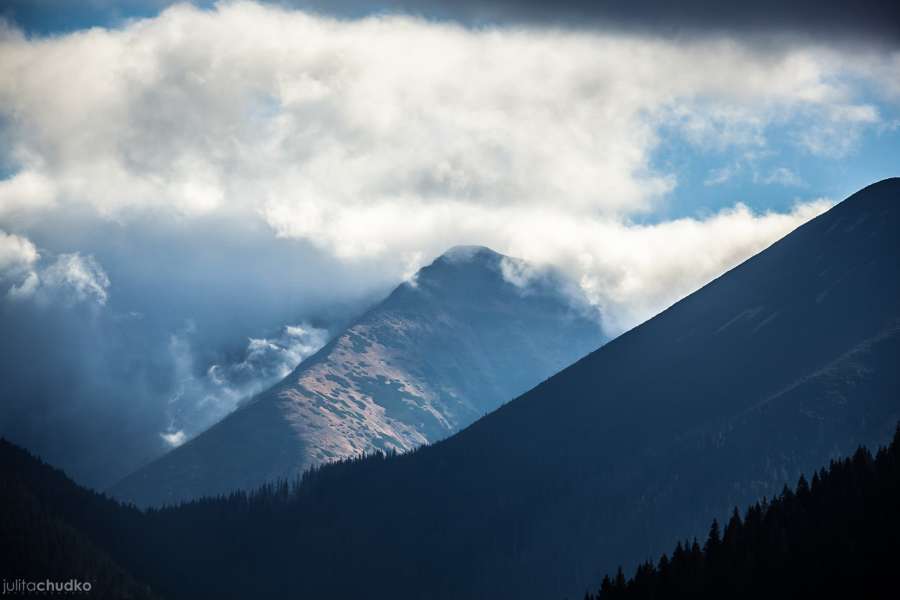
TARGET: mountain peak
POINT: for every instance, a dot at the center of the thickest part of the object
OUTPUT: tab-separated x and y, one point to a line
470	253
881	192
461	270
434	356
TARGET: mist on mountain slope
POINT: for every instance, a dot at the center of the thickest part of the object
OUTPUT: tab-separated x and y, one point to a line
465	334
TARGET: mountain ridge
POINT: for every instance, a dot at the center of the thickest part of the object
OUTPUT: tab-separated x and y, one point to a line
437	353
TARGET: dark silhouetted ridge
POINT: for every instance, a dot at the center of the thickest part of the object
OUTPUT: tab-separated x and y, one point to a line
833	536
48	531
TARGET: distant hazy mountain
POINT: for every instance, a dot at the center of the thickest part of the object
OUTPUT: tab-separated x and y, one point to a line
441	351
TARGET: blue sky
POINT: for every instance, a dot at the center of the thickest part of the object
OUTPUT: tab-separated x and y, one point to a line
49	17
782	173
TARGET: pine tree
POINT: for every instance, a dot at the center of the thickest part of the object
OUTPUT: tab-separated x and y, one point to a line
713	540
838	537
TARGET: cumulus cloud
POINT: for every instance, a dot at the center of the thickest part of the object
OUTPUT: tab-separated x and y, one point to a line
628	271
336	133
69	277
23	193
199	400
268	360
305	120
26	288
839	134
79	278
17	254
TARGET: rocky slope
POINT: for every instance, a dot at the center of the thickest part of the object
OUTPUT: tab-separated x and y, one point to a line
441	351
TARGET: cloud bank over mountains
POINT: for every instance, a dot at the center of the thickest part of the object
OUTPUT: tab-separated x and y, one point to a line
208	176
201	400
395	137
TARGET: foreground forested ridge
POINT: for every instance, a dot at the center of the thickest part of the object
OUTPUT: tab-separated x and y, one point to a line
837	535
834	536
51	528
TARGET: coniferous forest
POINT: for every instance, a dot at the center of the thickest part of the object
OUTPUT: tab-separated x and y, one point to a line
53	529
834	535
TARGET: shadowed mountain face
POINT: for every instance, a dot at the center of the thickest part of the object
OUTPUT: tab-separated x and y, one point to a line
438	353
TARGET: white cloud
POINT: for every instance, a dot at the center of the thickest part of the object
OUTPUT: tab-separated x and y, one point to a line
281	111
72	277
838	133
174	438
17	254
25	288
78	278
200	400
268	360
630	272
390	139
24	193
518	272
